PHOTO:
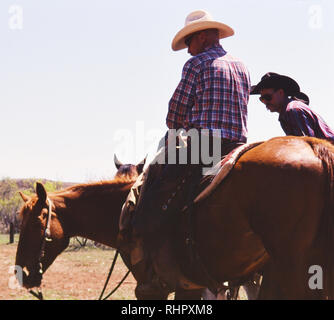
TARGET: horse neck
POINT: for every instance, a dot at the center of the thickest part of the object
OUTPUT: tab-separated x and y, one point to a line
92	214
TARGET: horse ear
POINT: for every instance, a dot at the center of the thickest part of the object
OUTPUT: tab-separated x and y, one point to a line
41	192
24	197
118	164
140	166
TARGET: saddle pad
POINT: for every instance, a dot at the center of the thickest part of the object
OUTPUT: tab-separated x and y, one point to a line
223	168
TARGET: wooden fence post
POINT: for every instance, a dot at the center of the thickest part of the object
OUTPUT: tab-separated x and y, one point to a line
11	232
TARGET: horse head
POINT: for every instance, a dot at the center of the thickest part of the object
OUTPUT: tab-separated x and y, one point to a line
41	236
130	171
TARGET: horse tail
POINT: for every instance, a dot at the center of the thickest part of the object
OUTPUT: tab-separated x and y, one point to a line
325	152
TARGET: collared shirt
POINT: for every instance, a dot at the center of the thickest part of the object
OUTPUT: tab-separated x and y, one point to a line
213	94
299	120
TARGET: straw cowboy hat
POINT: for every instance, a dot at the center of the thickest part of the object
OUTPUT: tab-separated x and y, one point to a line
197	21
275	80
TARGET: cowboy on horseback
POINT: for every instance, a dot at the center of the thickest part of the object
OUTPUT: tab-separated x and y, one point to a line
210	101
282	94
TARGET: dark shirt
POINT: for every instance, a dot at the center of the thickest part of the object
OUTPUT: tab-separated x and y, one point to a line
299	120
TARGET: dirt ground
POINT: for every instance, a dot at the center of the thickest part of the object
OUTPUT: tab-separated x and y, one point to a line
75	275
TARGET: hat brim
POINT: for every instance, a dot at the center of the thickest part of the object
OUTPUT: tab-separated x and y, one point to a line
178	41
303	97
288	84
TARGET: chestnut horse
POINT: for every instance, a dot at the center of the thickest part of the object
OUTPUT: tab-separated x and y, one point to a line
87	210
277	203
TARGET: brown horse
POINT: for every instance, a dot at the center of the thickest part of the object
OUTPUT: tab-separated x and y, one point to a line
87	210
128	171
277	202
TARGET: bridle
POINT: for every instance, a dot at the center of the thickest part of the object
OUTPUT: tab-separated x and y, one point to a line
47	235
46	238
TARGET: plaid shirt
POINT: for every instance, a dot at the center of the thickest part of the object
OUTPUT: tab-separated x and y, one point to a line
213	94
299	120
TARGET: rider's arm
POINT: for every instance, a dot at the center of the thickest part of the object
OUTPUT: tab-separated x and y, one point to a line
300	123
183	98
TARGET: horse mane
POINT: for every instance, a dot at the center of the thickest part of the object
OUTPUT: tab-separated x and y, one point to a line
93	187
87	189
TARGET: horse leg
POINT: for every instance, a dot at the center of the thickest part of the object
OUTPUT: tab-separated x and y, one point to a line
288	281
282	280
252	287
269	289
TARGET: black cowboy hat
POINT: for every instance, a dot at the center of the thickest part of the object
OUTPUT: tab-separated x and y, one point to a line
275	80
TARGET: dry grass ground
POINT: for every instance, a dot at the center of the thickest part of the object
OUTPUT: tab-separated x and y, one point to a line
75	275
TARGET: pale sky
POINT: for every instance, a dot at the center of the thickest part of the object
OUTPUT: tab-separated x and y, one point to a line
81	80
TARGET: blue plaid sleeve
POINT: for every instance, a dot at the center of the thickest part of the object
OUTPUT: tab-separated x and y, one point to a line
183	98
300	123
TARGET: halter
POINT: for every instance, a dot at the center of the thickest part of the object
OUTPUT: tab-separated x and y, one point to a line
46	238
47	234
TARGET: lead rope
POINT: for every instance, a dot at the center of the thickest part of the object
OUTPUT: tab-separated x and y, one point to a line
108	278
46	238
